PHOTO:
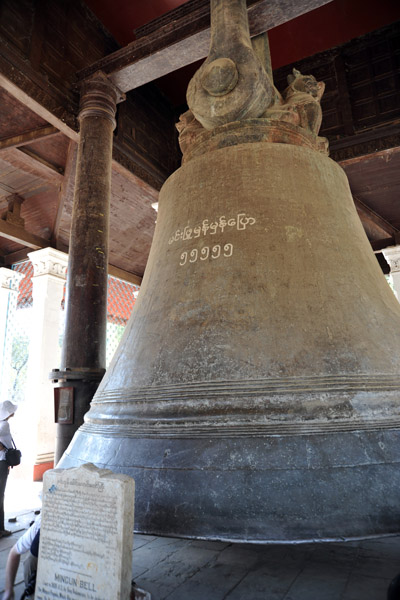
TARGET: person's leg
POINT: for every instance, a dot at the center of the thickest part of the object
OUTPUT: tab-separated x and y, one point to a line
30	568
3	481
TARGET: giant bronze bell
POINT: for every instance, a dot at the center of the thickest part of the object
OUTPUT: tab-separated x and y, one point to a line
255	394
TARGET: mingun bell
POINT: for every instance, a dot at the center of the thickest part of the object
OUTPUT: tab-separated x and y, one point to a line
255	393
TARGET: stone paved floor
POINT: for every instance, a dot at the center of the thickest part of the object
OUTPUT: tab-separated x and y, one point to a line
176	569
197	570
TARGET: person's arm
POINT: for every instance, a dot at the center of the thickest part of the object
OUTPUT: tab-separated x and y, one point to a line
23	545
11	573
2	430
5	435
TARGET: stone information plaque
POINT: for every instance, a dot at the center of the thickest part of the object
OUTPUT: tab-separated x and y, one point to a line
86	535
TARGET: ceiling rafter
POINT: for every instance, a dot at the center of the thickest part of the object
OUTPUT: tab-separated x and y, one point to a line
45	163
375	220
379	245
66	193
21	236
35	92
125	275
26	160
15	257
28	137
182	41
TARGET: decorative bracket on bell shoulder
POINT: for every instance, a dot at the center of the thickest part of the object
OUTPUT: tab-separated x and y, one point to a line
232	98
231	84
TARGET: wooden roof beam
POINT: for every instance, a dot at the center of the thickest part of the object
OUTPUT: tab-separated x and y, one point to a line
375	221
125	275
379	245
16	257
43	162
21	236
182	41
33	90
28	161
13	215
28	137
66	193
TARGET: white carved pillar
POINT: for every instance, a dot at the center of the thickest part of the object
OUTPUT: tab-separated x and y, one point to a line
392	256
50	267
9	284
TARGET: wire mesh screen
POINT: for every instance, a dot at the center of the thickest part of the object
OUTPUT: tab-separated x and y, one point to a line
17	339
19	319
121	299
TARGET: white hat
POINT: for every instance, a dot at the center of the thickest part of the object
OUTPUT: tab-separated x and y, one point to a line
7	408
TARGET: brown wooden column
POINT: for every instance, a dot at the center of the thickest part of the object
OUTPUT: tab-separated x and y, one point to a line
84	347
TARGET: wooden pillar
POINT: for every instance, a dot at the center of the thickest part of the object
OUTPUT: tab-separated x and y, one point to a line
84	347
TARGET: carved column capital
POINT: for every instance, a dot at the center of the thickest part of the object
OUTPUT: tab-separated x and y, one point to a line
99	98
392	256
48	261
10	280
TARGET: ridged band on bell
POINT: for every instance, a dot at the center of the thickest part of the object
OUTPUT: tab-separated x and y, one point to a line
255	393
222	407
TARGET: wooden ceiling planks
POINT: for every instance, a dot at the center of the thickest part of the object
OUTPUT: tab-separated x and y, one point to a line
39	212
132	219
14	180
52	149
31	165
15	118
132	222
65	197
23	171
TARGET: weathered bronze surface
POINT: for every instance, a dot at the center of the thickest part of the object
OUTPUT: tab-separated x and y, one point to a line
255	394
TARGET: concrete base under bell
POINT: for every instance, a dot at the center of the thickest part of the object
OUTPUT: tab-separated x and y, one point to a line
255	394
